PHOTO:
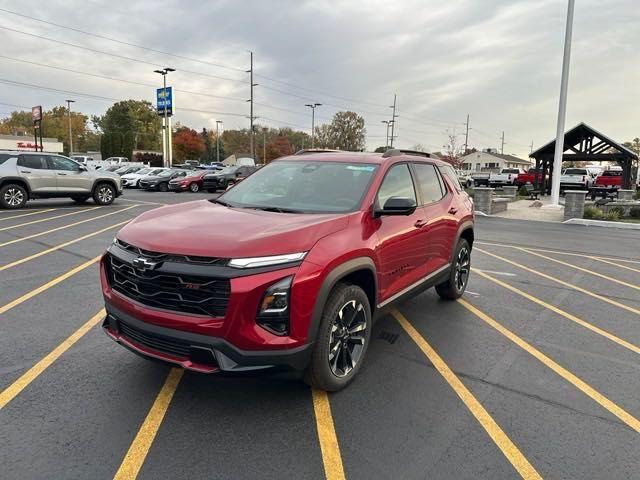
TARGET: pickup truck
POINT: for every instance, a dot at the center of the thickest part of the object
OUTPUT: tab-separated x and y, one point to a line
480	179
577	178
507	176
609	179
529	177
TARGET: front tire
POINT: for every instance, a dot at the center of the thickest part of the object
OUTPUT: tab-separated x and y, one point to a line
194	187
163	187
104	194
455	286
13	196
342	341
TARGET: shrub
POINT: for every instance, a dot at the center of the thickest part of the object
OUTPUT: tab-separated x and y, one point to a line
592	213
635	212
636	196
522	191
612	216
618	210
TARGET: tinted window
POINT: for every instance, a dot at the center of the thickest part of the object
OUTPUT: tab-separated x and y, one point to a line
35	162
428	182
449	173
397	183
61	163
575	171
510	170
4	157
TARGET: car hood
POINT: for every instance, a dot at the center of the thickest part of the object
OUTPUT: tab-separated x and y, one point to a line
131	176
207	229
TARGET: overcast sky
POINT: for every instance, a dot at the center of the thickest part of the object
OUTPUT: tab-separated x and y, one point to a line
498	60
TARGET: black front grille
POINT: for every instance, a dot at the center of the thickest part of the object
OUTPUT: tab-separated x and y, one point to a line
169	257
177	292
155	342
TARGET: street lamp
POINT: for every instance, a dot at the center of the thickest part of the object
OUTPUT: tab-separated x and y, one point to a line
218	122
264	144
69	102
313	106
165	127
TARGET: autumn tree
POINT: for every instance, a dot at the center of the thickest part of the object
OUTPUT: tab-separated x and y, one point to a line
345	132
453	150
187	144
236	141
280	147
141	120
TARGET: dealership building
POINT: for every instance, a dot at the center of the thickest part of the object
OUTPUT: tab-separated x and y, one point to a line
27	144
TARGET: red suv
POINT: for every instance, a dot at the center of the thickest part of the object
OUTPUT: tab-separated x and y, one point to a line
288	268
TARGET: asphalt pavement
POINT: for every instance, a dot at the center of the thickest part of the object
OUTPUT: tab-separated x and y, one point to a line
533	374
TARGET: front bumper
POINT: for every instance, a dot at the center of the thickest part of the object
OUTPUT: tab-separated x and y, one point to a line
177	187
148	186
199	353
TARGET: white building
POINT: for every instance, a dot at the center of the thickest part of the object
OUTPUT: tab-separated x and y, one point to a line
27	144
490	160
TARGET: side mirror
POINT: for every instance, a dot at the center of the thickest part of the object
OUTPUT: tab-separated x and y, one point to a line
82	168
397	206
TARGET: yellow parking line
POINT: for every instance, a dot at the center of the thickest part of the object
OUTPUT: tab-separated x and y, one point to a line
592	393
329	447
48	218
575	267
58	247
600	259
48	285
559	252
502	441
63	227
26	214
561	282
30	375
135	456
142	202
557	310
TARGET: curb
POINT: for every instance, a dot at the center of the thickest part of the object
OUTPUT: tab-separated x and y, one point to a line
602	223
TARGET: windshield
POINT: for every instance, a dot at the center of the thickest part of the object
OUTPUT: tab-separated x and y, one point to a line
166	173
143	171
310	187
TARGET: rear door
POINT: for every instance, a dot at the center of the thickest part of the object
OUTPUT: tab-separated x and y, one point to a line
70	178
35	169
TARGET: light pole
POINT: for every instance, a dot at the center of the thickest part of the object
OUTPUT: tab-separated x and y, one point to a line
218	122
393	119
69	102
386	142
165	128
562	110
313	106
264	145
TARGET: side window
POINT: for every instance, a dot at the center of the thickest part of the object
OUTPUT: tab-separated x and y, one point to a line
61	163
4	157
34	162
450	174
428	182
397	183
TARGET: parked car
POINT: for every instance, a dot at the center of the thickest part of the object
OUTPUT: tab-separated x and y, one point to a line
29	175
192	182
465	178
221	179
507	176
127	169
530	177
263	278
161	181
82	158
578	178
131	179
609	179
480	179
116	159
193	163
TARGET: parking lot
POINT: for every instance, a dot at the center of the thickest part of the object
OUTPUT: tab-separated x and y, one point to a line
534	373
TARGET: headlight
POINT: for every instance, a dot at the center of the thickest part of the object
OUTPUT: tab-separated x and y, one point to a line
254	262
273	313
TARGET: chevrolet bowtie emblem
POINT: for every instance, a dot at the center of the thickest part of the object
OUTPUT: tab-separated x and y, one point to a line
142	263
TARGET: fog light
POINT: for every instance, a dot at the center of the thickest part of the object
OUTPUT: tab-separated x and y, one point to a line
273	314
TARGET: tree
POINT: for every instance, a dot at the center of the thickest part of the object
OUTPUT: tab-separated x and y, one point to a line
209	154
236	141
137	116
418	147
345	132
187	144
280	147
18	123
381	149
634	146
452	151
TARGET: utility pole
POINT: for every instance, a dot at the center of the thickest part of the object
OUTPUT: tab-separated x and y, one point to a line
69	102
502	145
313	106
264	145
466	136
562	109
218	122
531	147
166	131
386	143
393	118
251	117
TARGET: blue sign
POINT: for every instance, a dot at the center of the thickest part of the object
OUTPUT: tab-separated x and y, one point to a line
164	100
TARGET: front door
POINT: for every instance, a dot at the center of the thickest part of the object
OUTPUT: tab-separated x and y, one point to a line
36	170
400	251
70	178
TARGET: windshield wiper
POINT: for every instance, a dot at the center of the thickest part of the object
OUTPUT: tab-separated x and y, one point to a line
276	209
221	202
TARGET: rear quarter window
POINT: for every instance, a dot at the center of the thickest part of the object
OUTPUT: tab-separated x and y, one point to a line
4	157
449	173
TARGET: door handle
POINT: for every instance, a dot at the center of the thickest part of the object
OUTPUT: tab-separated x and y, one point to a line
63	174
453	211
25	171
420	223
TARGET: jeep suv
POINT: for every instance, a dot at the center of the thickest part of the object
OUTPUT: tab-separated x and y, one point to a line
289	268
29	175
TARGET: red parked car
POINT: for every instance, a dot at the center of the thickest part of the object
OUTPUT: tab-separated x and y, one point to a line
288	268
192	182
609	179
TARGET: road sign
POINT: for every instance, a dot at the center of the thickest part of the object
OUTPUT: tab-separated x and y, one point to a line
164	100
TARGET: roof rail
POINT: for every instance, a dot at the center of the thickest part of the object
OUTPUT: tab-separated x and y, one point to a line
394	152
305	151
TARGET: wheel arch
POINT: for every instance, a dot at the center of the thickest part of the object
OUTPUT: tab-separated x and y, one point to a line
464	231
17	181
104	180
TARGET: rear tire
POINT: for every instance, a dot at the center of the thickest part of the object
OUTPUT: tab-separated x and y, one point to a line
194	187
104	194
13	196
455	286
342	341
